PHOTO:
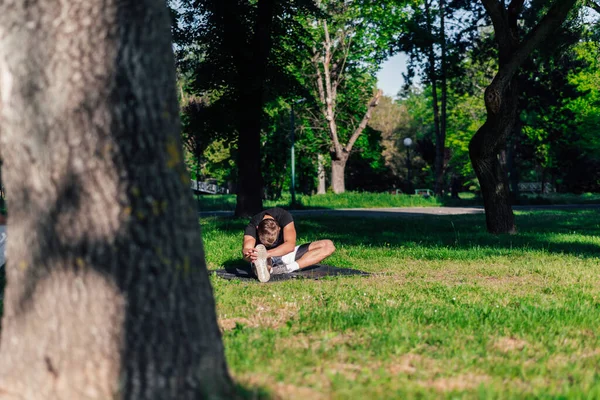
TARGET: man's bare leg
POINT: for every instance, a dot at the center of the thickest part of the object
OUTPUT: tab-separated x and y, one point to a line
317	252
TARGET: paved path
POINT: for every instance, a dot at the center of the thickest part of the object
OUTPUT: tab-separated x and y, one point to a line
410	211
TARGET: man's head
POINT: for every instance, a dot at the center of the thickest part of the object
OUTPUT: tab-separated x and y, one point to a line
268	231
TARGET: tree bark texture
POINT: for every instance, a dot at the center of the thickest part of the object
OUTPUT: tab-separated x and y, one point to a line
321	187
108	296
250	111
338	167
501	98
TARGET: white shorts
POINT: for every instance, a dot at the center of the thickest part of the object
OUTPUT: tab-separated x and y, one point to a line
290	257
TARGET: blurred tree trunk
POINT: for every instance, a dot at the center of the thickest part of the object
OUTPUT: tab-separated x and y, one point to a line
501	99
108	294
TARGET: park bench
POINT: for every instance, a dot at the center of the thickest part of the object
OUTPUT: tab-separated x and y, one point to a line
535	187
206	187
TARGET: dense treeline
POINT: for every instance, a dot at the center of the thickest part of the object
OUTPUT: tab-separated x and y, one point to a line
507	93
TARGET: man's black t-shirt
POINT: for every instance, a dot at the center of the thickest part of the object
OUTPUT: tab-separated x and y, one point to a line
280	215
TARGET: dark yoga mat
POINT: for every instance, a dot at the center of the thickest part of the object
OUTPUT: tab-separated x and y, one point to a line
316	271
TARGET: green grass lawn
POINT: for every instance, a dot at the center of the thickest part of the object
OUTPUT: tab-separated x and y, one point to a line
449	311
368	200
329	200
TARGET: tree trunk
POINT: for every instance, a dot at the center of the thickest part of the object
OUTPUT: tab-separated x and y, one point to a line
501	101
108	296
250	182
250	112
321	188
454	187
338	167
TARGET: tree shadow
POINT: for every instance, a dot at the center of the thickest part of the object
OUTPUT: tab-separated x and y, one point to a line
252	392
565	231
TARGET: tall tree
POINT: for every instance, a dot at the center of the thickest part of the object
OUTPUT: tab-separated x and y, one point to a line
347	52
501	100
246	51
329	75
108	294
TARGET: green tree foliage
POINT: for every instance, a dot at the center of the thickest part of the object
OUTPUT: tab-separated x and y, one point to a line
552	140
436	52
577	152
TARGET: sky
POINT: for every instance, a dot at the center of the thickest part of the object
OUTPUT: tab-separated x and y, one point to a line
389	78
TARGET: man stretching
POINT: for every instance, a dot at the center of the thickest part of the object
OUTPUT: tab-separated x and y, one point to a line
270	245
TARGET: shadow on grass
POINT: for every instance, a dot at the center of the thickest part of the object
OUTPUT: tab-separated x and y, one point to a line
235	264
562	232
252	393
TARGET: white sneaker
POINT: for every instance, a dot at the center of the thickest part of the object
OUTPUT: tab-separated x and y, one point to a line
260	265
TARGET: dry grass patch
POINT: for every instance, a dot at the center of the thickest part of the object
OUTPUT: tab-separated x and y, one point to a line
509	344
325	341
349	371
227	324
409	364
563	360
266	315
457	383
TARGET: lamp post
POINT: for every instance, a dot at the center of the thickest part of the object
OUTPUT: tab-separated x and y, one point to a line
293	154
292	150
408	142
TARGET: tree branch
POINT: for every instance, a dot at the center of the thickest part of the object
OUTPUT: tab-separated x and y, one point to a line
330	93
495	9
346	50
363	124
551	21
320	87
514	10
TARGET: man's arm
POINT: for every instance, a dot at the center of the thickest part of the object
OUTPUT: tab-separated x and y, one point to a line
289	242
248	248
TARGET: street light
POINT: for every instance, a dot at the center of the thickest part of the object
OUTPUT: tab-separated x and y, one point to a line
408	142
292	151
